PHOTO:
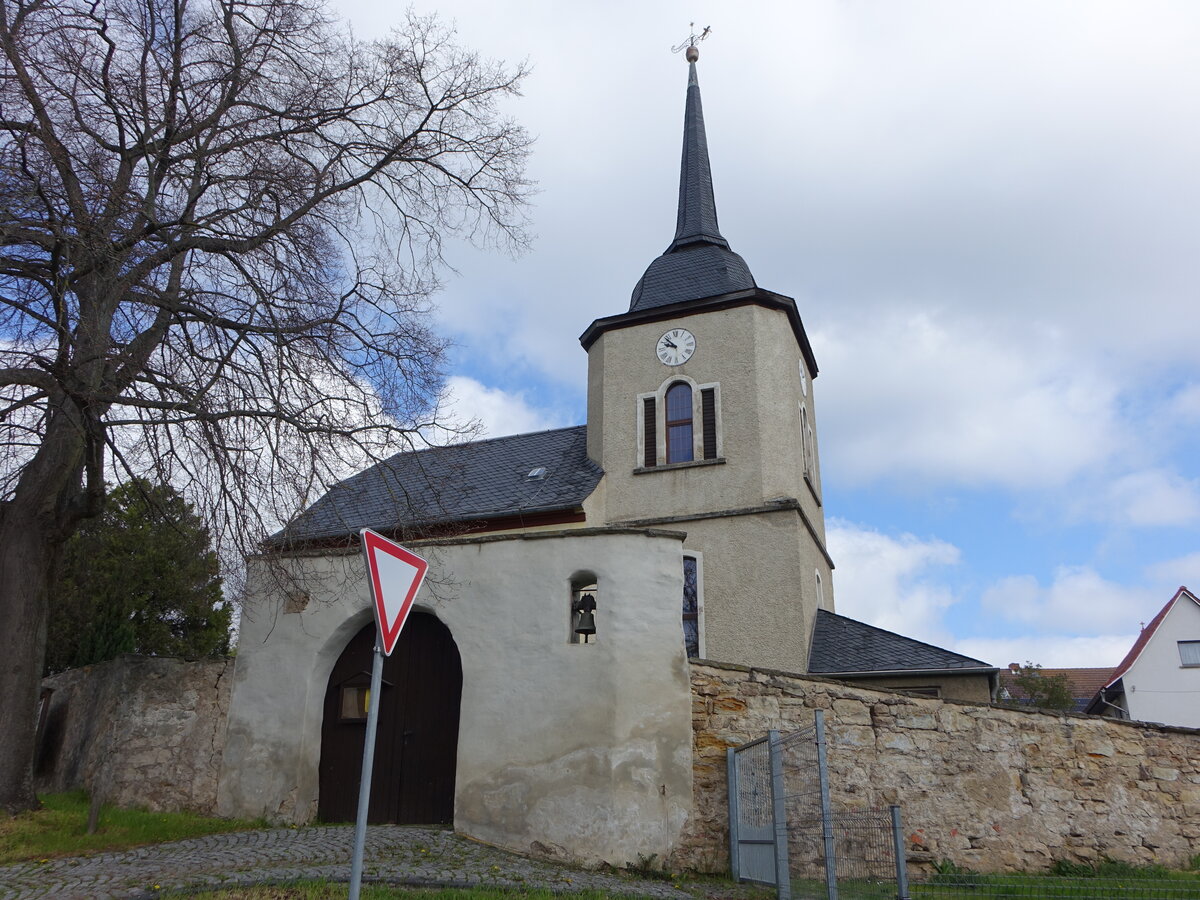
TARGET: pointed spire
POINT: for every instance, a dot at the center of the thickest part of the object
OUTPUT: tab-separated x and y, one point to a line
697	218
699	263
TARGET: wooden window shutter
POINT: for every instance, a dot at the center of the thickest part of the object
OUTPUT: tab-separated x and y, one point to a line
708	413
649	433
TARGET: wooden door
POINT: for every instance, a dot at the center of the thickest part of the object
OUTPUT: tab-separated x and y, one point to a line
417	745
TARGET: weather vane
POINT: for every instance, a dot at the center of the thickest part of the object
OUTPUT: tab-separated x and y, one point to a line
692	40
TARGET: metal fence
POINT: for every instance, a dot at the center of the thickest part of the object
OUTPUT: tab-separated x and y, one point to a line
785	831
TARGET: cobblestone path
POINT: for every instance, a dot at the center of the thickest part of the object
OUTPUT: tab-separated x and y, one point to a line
394	853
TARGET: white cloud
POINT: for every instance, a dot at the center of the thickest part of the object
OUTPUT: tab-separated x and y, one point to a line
920	396
1050	651
1182	570
497	411
1077	601
1154	497
891	582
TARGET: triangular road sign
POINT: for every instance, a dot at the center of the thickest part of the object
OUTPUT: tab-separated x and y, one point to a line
395	575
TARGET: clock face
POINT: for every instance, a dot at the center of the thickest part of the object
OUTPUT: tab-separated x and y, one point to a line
675	347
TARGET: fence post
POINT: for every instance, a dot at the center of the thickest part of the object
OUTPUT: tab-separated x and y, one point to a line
901	858
735	812
831	886
783	874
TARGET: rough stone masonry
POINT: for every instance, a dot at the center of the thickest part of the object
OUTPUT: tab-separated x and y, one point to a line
987	788
143	731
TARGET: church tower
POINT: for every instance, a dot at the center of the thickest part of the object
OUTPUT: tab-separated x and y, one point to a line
701	413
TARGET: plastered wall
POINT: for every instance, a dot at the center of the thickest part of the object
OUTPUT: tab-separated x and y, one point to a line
578	751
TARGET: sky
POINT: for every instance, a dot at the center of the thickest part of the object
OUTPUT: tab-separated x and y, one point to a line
989	217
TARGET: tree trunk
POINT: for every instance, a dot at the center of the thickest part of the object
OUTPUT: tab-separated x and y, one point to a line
26	558
34	525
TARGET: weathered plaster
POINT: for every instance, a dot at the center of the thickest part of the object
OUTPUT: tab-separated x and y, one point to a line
759	570
580	750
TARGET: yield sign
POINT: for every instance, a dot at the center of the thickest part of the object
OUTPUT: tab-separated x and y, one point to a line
395	576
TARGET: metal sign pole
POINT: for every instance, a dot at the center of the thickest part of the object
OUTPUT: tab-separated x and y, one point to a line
364	785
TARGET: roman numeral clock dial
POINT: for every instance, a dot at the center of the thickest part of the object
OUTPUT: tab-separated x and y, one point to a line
675	347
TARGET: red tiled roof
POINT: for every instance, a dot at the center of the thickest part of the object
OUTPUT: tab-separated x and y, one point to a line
1084	682
1147	633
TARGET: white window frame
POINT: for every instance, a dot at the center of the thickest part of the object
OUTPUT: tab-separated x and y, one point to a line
820	589
1191	658
804	445
660	421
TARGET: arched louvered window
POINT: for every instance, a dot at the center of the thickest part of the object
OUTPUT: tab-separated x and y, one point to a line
679	423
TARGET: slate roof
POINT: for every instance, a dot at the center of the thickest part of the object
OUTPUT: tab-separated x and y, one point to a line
842	646
462	482
699	263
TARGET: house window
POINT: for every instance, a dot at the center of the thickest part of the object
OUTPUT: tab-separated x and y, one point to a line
1189	653
820	590
693	607
679	423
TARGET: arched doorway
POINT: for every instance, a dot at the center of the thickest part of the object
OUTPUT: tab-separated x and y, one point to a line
417	744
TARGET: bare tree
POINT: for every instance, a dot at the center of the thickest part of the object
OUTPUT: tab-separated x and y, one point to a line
219	222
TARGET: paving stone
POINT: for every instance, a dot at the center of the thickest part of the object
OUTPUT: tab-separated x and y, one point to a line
394	853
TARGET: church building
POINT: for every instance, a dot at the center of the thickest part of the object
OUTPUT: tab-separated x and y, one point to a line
539	698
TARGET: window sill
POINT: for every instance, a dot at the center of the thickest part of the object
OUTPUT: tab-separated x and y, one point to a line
671	467
811	489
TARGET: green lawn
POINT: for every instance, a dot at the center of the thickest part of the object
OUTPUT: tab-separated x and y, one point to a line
59	828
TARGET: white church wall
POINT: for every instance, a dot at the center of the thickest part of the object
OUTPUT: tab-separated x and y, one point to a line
578	750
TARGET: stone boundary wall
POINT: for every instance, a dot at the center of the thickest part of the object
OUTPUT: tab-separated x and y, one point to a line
144	731
987	788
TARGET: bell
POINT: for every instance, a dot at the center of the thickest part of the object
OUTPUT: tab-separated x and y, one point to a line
587	623
585	608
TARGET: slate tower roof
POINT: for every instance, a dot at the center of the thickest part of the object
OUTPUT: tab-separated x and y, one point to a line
698	263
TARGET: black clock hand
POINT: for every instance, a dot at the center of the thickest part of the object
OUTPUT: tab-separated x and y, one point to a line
667	341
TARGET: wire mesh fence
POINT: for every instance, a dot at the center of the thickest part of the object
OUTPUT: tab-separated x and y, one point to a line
784	830
960	886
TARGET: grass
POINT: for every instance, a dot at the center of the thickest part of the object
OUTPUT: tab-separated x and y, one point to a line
59	828
1106	880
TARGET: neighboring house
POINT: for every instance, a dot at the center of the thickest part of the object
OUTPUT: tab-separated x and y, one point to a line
1083	683
849	650
688	510
1159	679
